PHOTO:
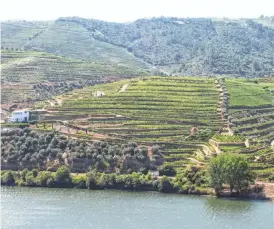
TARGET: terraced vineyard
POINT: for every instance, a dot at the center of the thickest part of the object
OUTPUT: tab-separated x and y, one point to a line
35	75
251	107
251	116
261	158
152	110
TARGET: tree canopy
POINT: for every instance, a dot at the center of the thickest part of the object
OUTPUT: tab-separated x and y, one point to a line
231	169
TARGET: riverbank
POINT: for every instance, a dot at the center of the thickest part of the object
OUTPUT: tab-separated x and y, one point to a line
127	182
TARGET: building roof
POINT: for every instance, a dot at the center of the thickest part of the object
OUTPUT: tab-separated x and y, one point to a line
22	110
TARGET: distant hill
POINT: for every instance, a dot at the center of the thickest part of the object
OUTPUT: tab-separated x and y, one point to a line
182	46
31	75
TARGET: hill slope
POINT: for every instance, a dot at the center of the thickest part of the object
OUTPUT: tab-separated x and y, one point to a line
151	110
182	115
182	46
28	75
251	107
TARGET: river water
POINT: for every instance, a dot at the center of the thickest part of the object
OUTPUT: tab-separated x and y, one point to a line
41	208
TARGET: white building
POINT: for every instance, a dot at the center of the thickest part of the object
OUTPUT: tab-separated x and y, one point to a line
20	116
98	93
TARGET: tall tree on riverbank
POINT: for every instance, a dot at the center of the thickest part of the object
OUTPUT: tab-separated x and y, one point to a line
231	169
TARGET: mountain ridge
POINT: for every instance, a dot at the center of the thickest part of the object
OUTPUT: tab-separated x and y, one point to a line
178	46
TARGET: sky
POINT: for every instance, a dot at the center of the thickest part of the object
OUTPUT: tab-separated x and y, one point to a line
130	10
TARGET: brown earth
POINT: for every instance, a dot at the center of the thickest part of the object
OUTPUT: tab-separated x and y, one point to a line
268	189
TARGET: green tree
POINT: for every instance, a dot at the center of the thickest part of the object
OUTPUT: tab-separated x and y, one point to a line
91	180
23	174
30	179
231	169
167	170
7	178
43	177
165	185
62	176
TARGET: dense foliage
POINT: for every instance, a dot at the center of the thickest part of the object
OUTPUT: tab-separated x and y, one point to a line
230	169
25	148
167	170
192	180
195	46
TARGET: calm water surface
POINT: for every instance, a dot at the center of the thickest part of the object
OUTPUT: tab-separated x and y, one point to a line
41	208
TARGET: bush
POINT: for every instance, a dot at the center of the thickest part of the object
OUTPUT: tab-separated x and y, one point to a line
23	174
7	178
144	170
50	182
271	178
164	185
30	179
62	177
91	181
167	170
43	178
79	181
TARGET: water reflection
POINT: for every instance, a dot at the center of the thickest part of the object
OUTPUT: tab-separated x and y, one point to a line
228	205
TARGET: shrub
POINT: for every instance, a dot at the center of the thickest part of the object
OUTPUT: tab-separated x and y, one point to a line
23	174
50	182
8	178
62	177
271	178
91	181
30	179
167	170
144	170
79	181
43	178
164	185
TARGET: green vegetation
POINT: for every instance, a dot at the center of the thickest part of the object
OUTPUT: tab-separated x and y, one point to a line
25	148
248	93
151	110
189	46
228	138
167	170
30	75
192	180
231	169
145	123
251	107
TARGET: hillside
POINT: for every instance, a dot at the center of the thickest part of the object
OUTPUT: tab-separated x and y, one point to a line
151	110
192	46
184	116
251	107
66	39
31	75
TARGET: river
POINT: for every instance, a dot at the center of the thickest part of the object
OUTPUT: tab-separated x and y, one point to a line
41	208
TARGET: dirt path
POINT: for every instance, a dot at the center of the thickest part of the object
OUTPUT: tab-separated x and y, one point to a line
268	189
123	88
56	102
149	152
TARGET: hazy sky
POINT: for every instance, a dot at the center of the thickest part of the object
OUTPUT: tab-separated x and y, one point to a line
129	10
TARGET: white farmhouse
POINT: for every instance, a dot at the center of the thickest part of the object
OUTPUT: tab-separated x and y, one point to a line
20	116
